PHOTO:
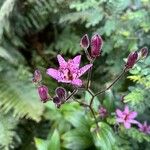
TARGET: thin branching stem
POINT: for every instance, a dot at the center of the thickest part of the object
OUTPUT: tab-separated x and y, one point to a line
92	111
121	74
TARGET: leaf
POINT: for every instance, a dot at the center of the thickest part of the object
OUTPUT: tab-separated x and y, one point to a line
76	139
7	131
137	135
20	95
54	141
5	12
96	101
136	96
103	137
40	144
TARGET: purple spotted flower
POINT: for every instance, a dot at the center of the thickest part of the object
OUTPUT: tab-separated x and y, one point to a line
126	117
43	93
68	71
144	127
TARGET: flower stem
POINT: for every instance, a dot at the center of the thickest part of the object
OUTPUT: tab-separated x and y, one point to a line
121	74
72	94
92	111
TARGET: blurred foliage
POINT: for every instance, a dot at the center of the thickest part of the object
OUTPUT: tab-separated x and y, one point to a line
32	33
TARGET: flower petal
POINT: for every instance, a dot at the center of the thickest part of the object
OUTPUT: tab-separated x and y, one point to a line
132	115
127	125
84	69
53	73
61	61
119	120
77	82
77	60
119	113
133	121
126	110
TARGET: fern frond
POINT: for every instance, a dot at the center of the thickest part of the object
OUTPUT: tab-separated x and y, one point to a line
5	12
7	133
20	95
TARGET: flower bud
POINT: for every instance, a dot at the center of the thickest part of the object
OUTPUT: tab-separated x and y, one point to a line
96	45
61	93
43	93
84	43
143	53
57	101
131	60
102	112
37	77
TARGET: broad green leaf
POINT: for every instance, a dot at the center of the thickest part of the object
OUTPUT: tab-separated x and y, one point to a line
41	144
104	138
76	139
54	141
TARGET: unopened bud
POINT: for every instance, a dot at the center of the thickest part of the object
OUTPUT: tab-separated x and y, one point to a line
43	93
57	101
96	45
131	60
37	77
102	112
61	93
143	53
84	42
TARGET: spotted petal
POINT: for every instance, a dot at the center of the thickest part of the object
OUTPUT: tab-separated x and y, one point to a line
77	60
61	61
84	69
77	82
53	73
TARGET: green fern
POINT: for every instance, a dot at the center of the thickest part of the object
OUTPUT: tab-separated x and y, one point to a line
19	94
7	133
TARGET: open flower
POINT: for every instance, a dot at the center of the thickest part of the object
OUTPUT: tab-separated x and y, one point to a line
126	117
68	71
144	127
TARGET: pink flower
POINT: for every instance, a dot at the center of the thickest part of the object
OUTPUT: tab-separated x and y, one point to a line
68	71
144	127
126	117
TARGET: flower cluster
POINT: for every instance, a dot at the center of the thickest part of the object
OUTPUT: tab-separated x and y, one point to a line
70	72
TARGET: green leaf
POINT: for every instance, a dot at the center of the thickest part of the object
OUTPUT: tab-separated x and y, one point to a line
7	133
96	101
17	92
40	144
104	138
76	139
54	141
137	135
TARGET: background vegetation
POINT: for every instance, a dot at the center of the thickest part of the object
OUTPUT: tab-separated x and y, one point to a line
32	33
